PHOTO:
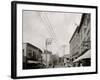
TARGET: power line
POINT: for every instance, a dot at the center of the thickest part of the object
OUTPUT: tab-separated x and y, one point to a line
50	27
42	19
46	21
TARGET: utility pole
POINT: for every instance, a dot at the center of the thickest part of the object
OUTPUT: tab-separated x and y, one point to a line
47	42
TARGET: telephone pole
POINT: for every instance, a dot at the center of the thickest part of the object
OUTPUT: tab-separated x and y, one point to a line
47	42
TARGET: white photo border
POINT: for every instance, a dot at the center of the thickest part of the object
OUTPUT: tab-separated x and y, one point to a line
18	7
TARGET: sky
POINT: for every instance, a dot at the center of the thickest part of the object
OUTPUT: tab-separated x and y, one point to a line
38	26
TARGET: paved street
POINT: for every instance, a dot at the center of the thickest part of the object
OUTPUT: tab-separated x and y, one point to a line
60	65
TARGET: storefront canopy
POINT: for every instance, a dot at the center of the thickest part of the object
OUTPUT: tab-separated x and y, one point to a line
30	61
84	56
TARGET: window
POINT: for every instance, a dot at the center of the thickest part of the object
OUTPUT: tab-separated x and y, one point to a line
29	53
88	32
85	29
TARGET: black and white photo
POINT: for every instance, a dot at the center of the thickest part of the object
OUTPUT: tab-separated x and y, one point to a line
53	39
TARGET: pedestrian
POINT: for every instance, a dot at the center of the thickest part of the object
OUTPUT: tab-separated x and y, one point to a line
53	66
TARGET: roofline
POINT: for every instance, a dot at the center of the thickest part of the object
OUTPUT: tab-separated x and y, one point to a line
74	33
34	46
83	17
78	27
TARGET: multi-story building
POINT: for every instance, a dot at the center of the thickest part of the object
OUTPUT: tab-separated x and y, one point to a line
85	33
80	42
74	45
31	55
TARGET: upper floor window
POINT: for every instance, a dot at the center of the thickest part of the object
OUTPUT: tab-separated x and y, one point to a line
29	53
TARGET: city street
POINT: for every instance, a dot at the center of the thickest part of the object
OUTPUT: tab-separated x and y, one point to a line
60	65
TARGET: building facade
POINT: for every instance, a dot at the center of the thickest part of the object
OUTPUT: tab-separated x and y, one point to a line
74	45
85	33
46	57
80	42
31	54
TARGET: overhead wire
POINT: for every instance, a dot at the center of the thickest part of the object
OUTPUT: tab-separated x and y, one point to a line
51	27
43	20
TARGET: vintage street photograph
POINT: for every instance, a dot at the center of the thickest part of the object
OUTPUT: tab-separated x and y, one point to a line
55	39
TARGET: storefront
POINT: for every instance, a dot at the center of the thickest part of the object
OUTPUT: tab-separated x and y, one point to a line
83	60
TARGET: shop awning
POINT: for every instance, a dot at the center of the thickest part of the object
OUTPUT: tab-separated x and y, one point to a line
30	61
84	56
